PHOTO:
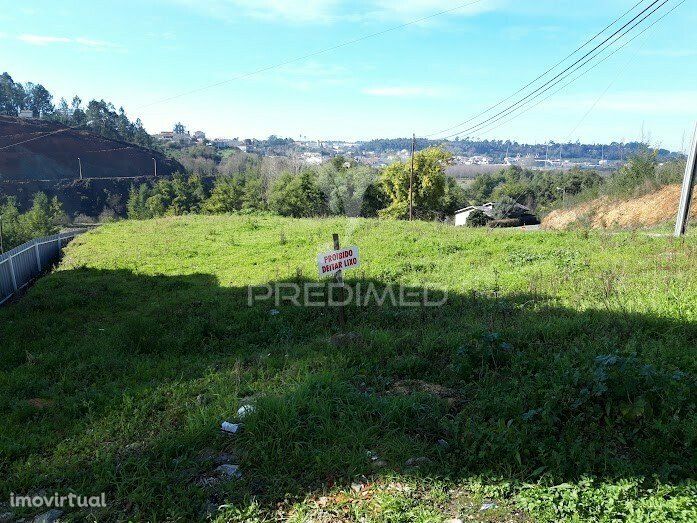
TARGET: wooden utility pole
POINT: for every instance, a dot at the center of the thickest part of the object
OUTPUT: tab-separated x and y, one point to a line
687	189
340	281
411	179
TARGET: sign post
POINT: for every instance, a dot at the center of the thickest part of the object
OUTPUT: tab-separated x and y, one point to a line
340	281
334	264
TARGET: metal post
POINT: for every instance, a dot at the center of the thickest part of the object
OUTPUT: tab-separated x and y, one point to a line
38	256
687	188
411	179
12	273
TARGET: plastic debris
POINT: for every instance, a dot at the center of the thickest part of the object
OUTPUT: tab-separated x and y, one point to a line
245	410
231	428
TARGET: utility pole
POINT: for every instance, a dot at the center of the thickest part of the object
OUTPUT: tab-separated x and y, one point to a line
411	179
687	189
155	164
79	162
2	245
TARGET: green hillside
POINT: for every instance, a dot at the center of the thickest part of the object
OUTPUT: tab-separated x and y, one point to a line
558	381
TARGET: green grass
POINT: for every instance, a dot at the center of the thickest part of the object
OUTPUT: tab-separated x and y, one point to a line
560	375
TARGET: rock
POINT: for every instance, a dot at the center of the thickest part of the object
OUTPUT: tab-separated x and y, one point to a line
356	487
48	517
379	464
487	506
345	340
245	410
415	462
228	471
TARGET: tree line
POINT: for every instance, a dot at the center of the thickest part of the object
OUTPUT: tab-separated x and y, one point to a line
97	116
340	187
44	218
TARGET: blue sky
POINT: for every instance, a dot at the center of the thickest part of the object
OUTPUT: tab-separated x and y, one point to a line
422	78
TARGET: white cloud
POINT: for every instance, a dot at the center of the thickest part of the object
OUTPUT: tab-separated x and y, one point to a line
325	11
411	9
404	92
287	10
47	40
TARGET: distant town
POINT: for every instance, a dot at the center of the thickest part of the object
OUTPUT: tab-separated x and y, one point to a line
470	157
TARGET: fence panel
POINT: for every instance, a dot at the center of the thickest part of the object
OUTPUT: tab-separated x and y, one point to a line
25	262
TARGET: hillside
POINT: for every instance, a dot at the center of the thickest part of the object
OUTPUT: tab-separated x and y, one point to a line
556	383
55	156
644	211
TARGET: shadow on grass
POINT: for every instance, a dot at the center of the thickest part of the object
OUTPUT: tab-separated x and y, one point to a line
118	382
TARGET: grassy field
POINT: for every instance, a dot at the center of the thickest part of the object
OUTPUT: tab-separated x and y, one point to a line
557	383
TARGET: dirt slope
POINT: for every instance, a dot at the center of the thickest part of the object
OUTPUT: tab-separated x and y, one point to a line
54	156
644	211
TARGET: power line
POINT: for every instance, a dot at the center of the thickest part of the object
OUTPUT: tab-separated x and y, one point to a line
565	73
314	53
498	104
284	63
584	60
655	22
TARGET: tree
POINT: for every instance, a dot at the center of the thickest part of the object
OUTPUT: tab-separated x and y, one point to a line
39	100
298	195
43	217
345	187
12	96
179	128
137	205
429	198
227	195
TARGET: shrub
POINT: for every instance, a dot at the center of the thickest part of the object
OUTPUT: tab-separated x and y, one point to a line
506	222
477	218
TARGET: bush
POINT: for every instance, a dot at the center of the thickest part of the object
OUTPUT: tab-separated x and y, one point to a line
477	218
506	222
298	196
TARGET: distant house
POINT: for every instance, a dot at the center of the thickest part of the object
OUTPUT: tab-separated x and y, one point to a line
200	136
26	113
523	213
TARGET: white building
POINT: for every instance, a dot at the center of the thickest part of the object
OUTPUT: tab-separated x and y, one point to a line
26	113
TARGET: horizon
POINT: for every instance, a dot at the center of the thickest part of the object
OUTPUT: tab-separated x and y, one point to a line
364	90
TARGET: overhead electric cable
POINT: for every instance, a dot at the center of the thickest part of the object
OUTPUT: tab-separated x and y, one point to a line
545	73
587	58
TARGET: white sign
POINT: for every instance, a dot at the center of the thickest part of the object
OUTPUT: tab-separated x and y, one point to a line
329	263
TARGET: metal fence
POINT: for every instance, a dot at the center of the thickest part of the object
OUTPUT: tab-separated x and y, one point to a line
19	266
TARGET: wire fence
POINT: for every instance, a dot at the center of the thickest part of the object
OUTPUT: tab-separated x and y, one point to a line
24	263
